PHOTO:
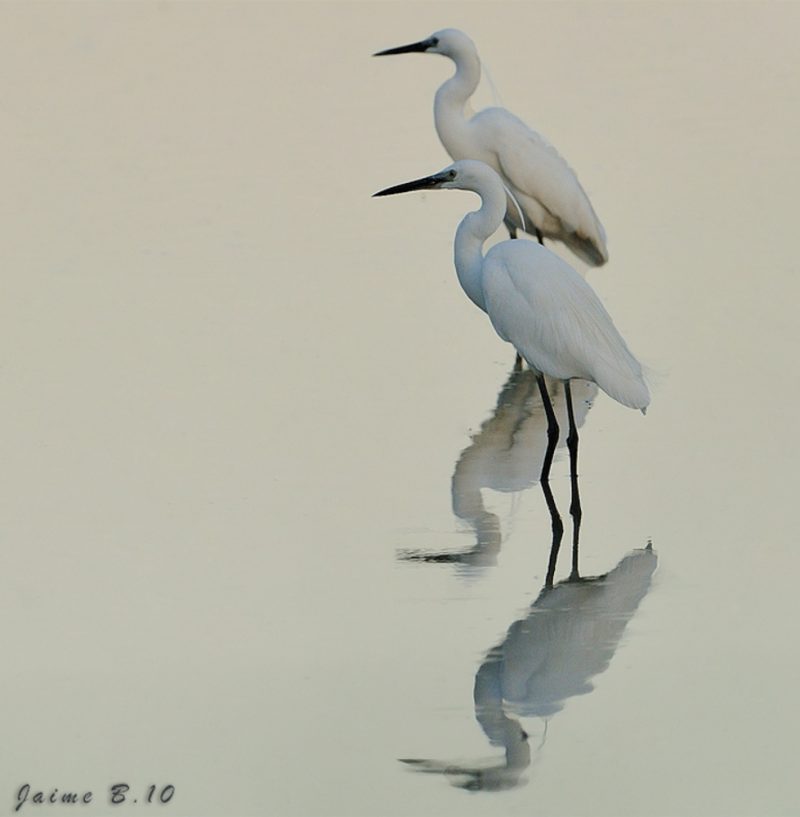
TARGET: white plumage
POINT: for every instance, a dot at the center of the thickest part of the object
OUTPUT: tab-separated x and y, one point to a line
545	186
548	312
534	299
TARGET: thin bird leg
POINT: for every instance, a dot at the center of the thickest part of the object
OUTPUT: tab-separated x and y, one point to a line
552	429
512	231
544	481
518	363
539	236
575	504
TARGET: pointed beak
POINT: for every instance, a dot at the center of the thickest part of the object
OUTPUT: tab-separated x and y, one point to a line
426	183
422	45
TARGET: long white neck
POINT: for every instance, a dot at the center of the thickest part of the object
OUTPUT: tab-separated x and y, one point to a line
450	100
474	229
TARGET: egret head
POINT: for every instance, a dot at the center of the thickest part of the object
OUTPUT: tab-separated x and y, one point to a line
443	179
449	41
465	174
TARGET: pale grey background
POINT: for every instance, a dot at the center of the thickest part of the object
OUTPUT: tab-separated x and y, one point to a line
234	386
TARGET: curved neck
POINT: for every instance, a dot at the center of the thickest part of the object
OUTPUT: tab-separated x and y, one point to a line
473	230
450	99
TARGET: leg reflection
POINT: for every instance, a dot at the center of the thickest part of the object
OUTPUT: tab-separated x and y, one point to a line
558	531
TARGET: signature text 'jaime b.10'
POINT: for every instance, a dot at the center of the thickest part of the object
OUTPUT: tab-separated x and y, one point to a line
116	794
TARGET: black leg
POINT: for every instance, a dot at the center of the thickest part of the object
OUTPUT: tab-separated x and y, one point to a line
539	236
575	504
552	429
518	363
512	231
544	481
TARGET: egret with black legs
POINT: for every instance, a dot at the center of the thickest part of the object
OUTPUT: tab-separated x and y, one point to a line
545	309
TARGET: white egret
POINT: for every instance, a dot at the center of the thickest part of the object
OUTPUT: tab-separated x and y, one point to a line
543	307
552	201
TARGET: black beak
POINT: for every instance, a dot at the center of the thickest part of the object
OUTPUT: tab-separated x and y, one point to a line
422	45
427	183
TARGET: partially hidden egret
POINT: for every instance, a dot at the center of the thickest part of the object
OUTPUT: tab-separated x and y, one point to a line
543	307
548	193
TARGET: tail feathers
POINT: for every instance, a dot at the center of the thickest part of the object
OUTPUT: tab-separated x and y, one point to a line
631	392
587	249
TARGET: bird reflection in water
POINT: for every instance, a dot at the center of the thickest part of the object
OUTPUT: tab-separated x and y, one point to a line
506	455
569	635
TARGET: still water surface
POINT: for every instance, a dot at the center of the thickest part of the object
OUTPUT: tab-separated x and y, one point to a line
273	532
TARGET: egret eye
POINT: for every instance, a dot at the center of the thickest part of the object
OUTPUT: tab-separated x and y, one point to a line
434	42
451	175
